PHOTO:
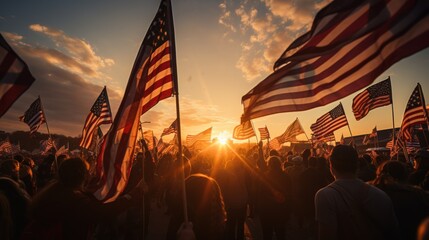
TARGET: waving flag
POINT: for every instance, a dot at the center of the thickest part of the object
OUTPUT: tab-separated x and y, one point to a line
34	116
243	131
171	129
15	78
265	134
415	113
291	132
151	80
377	95
349	45
100	113
329	122
373	133
204	136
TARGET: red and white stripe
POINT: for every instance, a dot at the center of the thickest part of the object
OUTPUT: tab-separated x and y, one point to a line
205	136
345	51
150	81
92	123
15	78
327	125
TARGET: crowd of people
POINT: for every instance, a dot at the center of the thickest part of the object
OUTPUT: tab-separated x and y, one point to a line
335	195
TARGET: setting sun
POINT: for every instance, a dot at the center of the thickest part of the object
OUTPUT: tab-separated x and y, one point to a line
223	137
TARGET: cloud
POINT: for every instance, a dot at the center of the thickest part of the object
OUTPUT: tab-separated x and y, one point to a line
60	82
79	55
267	27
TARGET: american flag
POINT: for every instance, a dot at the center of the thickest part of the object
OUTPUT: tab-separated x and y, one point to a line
171	129
349	45
15	78
204	136
377	95
415	113
328	138
243	131
100	113
265	134
293	130
34	116
151	80
149	139
329	122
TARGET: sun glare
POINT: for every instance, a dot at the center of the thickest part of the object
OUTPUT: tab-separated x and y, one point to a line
223	138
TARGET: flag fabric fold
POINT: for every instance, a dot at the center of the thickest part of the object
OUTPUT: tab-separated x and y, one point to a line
329	122
377	95
264	133
15	77
293	130
349	45
34	116
244	131
171	129
204	136
151	80
99	114
415	113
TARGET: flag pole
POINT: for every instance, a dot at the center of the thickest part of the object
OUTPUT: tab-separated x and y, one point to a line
393	114
175	77
49	134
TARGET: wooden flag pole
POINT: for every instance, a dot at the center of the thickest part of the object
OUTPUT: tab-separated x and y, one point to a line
175	77
393	116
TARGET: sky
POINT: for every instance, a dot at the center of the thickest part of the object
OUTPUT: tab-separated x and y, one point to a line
224	48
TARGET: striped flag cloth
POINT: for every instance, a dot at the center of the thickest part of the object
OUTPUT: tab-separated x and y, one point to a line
275	144
15	78
151	80
377	95
329	122
204	136
100	113
415	113
34	116
171	129
265	134
47	145
327	138
291	132
349	45
243	131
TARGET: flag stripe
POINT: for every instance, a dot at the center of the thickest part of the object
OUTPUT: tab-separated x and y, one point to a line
244	131
100	113
373	97
415	113
329	122
15	78
202	136
265	134
150	81
339	72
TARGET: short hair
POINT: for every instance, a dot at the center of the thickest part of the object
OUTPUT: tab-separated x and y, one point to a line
344	159
72	172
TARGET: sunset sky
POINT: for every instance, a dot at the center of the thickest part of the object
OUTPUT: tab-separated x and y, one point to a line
224	48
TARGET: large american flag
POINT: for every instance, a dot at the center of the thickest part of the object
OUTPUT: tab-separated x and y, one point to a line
415	113
151	80
204	136
34	116
15	78
265	134
377	95
100	113
329	122
243	131
349	45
